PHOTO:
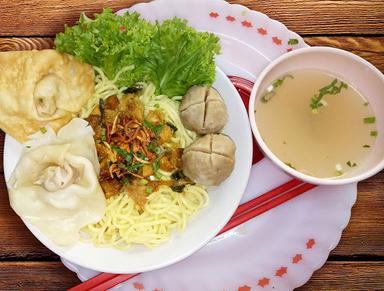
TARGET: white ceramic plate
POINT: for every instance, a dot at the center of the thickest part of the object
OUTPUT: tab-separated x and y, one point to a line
202	228
282	248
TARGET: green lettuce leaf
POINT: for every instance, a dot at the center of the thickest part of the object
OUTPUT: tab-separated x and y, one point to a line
172	55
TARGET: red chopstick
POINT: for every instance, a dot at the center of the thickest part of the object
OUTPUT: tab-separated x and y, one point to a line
244	212
252	211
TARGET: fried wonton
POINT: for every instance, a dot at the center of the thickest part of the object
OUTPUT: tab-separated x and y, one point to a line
40	88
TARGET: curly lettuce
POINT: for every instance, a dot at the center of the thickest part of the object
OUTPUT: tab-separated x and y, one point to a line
171	55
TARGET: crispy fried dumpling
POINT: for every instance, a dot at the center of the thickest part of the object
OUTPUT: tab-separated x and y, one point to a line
39	88
55	184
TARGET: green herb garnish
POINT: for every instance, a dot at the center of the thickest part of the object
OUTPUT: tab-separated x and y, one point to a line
351	164
122	165
122	152
276	84
134	167
43	130
369	119
155	128
149	190
366	146
339	173
293	41
374	133
140	155
331	89
103	134
158	150
156	166
125	180
143	182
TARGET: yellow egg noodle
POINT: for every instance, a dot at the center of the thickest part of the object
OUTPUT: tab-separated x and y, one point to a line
124	223
103	89
170	109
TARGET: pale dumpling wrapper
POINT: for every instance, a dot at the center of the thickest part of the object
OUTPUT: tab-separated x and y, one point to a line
55	184
41	88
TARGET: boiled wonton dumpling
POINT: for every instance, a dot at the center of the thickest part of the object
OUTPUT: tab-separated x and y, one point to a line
40	88
55	183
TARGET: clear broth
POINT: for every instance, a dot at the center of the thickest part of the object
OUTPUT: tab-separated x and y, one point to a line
328	143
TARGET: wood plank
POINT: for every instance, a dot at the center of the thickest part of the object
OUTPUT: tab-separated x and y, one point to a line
351	276
324	17
34	17
54	276
370	48
36	276
16	240
364	234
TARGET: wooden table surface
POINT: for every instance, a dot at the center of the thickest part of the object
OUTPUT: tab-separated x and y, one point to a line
357	263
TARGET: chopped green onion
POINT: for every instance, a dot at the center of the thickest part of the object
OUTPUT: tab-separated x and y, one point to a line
121	165
140	155
158	175
290	165
43	130
103	134
149	190
293	41
134	167
271	90
124	153
157	105
351	164
151	146
125	181
374	133
331	89
366	146
156	166
155	128
143	182
369	119
267	96
339	173
158	150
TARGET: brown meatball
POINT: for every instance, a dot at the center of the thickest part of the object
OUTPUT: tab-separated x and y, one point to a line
203	110
210	159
